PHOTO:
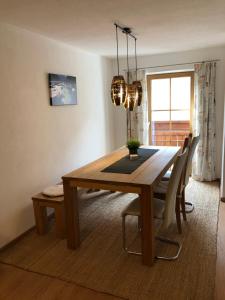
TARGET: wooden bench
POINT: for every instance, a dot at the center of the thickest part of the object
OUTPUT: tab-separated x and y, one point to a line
40	204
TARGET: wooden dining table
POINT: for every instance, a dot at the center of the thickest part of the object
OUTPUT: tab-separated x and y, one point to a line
141	181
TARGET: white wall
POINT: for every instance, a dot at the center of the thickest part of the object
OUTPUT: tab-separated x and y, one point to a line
40	143
222	186
179	58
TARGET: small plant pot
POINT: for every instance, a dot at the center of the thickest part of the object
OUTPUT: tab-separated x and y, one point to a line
133	145
133	154
133	151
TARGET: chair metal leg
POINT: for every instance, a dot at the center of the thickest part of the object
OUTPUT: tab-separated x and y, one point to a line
182	202
124	232
162	239
168	241
124	237
178	219
139	223
189	207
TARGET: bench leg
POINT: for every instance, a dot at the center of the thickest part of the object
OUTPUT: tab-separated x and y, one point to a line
40	214
60	221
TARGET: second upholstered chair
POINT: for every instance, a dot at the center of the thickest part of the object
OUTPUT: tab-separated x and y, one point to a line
187	143
161	190
163	210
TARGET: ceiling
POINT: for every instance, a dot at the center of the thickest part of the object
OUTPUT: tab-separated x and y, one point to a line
161	26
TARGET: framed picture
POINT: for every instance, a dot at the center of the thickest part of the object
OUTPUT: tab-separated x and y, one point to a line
63	89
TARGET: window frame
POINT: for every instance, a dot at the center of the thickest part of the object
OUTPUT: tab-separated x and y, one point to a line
171	75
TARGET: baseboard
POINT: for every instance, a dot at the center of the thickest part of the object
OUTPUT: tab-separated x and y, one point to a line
19	237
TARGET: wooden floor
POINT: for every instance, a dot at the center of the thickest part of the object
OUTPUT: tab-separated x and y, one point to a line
23	285
220	266
19	284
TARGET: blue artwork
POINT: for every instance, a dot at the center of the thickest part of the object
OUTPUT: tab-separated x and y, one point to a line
63	89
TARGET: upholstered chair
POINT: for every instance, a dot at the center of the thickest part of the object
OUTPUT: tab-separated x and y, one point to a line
164	210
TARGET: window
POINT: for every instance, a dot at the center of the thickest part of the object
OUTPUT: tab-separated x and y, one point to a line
170	107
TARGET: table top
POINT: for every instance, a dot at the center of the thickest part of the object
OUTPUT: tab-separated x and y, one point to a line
148	173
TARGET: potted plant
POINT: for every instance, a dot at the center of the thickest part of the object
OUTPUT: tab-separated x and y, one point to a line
133	146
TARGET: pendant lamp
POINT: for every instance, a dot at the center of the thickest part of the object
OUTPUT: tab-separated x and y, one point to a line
131	89
118	86
127	94
137	82
138	85
131	97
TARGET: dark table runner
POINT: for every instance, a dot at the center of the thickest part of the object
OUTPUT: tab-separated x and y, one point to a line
127	166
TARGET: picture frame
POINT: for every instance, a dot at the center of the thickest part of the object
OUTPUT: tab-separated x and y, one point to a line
62	89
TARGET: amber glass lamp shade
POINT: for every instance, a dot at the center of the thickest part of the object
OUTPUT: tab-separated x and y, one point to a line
118	90
139	91
131	97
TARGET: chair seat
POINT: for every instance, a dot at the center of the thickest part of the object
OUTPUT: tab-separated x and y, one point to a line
166	176
134	209
159	206
161	188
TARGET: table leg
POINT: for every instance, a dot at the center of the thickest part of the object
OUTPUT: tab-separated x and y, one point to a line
40	214
60	221
148	237
71	215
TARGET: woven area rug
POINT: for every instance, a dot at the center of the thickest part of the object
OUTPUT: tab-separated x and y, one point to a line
100	263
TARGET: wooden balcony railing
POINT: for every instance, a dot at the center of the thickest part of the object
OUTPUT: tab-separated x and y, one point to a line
170	133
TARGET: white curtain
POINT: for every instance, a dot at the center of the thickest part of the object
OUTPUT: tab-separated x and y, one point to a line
137	120
203	168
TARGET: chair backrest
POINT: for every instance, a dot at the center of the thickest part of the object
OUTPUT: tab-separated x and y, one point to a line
187	142
191	152
171	194
186	146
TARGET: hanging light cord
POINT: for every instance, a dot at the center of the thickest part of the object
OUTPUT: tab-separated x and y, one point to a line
136	56
128	71
117	50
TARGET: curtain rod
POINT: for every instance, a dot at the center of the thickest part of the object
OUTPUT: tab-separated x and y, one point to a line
172	65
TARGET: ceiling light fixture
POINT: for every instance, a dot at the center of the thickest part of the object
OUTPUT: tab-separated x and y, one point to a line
127	94
137	82
118	87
